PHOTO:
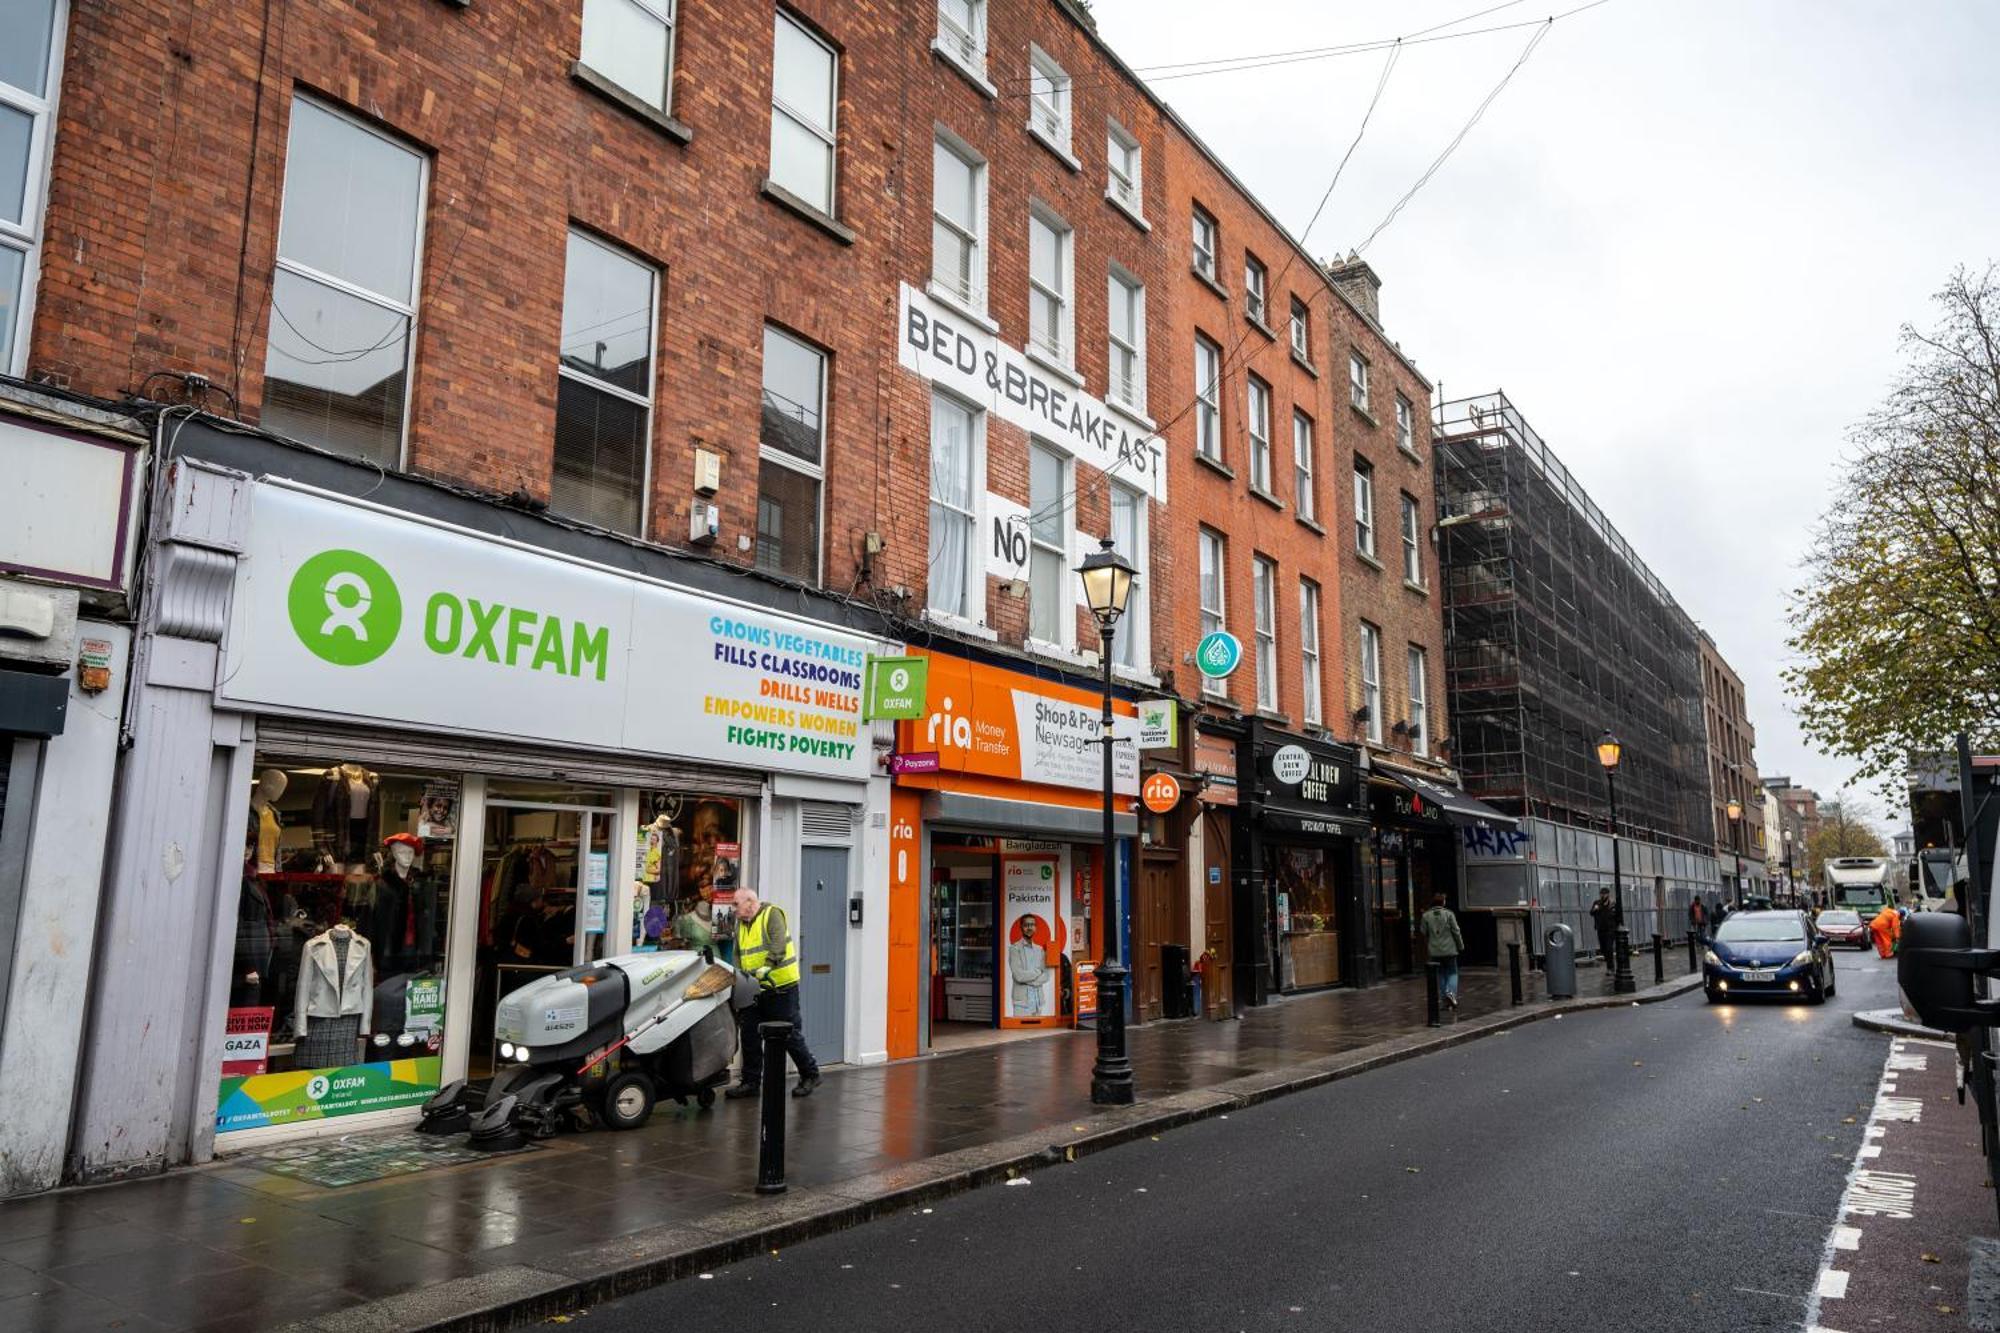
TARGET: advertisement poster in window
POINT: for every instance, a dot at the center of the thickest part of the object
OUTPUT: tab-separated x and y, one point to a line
438	817
1031	983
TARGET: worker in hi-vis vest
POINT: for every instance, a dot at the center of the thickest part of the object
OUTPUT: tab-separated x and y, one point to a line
767	950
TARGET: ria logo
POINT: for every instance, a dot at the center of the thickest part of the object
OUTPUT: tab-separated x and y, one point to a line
345	608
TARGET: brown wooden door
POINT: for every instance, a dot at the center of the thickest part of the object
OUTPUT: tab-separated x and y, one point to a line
1218	988
1160	918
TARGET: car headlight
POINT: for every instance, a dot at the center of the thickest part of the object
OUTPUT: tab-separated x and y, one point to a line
1709	956
506	1050
1801	959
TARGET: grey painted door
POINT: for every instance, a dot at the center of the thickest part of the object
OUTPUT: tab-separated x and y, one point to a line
823	934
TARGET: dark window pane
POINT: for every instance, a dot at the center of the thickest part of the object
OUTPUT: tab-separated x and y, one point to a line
600	457
792	388
788	522
608	316
335	371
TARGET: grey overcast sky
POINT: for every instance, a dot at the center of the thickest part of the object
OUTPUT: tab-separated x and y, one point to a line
1682	240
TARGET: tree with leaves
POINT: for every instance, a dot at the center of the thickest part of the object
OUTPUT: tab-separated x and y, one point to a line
1840	833
1897	627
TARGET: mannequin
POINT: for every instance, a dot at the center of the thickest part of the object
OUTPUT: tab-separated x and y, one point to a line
404	917
346	819
271	784
336	998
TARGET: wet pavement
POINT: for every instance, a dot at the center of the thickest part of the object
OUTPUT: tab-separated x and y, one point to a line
234	1246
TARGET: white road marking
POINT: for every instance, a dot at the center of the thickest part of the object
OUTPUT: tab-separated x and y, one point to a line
1832	1285
1871	1150
1846	1238
1868	1192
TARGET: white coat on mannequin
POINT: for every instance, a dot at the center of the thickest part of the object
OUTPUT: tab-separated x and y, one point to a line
325	992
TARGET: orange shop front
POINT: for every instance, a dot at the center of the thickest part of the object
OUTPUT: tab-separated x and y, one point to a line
996	856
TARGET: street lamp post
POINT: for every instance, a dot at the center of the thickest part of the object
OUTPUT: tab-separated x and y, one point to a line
1735	808
1107	583
1791	882
1609	751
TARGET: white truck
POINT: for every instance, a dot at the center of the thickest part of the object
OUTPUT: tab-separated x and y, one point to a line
1859	883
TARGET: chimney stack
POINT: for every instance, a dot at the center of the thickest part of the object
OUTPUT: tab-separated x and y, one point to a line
1358	283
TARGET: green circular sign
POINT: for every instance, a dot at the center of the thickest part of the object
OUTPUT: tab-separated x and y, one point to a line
1218	653
345	608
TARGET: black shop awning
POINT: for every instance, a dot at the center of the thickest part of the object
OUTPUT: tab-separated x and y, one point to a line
1460	808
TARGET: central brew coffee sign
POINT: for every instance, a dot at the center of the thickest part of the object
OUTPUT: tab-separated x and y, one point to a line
950	350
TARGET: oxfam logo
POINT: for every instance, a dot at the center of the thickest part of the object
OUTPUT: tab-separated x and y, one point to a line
899	679
317	1087
345	607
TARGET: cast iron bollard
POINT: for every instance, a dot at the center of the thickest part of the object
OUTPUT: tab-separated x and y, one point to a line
771	1110
1514	968
1659	959
1694	943
1431	1002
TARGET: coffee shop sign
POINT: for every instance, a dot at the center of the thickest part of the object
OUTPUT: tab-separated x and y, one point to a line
948	349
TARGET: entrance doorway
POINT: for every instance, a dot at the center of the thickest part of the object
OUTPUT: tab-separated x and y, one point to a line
544	892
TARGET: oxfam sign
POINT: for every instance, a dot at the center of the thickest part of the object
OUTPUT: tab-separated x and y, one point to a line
348	611
345	608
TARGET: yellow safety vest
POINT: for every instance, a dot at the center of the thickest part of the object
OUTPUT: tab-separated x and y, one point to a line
752	953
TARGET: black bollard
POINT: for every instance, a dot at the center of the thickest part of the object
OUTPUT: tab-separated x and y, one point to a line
1431	992
771	1110
1694	958
1514	968
1659	959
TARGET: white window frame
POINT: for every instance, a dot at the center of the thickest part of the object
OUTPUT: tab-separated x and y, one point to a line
1413	551
1264	598
665	13
830	136
1312	692
966	49
1134	651
26	237
406	309
1420	701
1205	241
1257	411
973	593
976	301
1303	483
796	464
1124	182
1049	101
1406	425
1128	391
1066	595
1208	400
1364	508
1371	679
1256	291
1065	299
644	400
1357	380
1302	330
1213	555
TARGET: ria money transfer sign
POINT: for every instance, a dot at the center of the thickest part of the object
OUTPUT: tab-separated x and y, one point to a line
346	609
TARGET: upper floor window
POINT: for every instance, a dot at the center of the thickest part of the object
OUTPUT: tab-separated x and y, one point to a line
1255	281
962	32
1413	550
1206	239
958	222
1259	421
804	101
1264	593
1050	311
1311	710
1124	182
1302	330
1048	99
1214	614
792	469
1302	466
1357	380
956	574
31	42
1371	680
1128	538
1207	399
1127	381
1051	601
1364	508
344	296
631	43
1406	425
1420	706
604	388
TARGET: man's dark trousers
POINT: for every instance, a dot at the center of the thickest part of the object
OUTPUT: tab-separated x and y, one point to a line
775	1006
1607	941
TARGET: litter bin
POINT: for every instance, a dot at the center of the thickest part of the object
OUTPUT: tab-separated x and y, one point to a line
1559	962
1175	981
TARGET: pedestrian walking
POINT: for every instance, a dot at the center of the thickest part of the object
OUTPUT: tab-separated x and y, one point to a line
1444	943
768	951
1697	918
1604	915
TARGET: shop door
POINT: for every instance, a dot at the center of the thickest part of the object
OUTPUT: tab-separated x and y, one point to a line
1218	988
1162	917
545	892
823	949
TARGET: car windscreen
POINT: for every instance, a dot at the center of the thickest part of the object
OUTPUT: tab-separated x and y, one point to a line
1840	918
1761	930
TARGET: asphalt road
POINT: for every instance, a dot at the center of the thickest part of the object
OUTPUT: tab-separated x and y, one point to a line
1668	1167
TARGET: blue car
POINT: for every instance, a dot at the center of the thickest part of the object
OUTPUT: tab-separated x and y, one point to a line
1768	953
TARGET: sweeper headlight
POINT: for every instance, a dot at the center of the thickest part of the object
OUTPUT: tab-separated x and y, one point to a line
506	1050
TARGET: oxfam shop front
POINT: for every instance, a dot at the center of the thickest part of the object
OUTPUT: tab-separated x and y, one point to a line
476	762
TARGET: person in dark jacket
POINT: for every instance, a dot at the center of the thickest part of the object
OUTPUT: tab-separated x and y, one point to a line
1604	916
1697	918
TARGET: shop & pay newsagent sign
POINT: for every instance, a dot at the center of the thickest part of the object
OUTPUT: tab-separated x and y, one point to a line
344	609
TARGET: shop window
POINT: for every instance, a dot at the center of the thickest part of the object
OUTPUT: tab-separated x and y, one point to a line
805	74
31	44
1051	600
792	467
344	294
690	859
1308	925
338	961
631	43
604	393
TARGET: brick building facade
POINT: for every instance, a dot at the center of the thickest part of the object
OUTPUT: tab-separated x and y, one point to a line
1732	774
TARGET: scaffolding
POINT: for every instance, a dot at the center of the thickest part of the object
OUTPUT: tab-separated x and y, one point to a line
1556	631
